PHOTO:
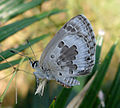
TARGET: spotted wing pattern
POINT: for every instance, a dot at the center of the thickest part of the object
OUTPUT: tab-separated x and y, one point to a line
77	48
71	52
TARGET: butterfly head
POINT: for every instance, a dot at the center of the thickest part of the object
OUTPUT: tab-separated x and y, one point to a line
34	64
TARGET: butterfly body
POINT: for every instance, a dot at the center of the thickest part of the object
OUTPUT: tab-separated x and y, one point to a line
69	54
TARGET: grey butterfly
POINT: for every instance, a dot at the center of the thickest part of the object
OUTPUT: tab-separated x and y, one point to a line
71	53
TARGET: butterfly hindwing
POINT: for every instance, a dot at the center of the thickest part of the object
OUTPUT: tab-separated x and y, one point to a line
72	50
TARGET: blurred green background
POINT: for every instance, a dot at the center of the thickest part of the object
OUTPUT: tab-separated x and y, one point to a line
104	16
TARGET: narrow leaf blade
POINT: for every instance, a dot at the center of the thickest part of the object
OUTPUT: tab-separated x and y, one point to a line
90	97
114	94
7	53
62	98
19	9
11	29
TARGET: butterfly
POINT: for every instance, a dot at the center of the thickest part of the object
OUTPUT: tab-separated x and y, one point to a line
71	53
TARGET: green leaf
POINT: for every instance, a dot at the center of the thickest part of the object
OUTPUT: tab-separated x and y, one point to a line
90	96
7	53
98	52
10	29
114	94
16	7
7	65
62	98
3	2
7	6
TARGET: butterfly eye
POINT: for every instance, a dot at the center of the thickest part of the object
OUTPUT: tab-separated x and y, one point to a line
35	64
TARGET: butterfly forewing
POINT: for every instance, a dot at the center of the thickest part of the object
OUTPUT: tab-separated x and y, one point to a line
71	52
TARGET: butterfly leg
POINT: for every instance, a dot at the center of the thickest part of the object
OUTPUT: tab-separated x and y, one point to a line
38	77
41	86
41	82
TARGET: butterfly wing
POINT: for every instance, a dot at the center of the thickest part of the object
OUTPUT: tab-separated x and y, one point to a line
72	50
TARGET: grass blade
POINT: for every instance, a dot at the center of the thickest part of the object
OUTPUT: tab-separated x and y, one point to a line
10	29
90	96
7	6
114	94
76	101
98	52
62	98
19	9
7	53
6	65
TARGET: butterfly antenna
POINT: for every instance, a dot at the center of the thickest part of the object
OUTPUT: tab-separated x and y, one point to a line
17	52
32	50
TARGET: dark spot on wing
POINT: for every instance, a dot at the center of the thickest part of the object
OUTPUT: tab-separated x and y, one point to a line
61	44
92	37
83	72
58	62
64	49
91	30
65	26
68	53
79	17
88	24
91	61
84	22
92	54
88	51
60	74
80	35
87	58
69	28
52	56
73	30
74	46
69	63
73	67
85	39
87	45
91	47
70	71
62	67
